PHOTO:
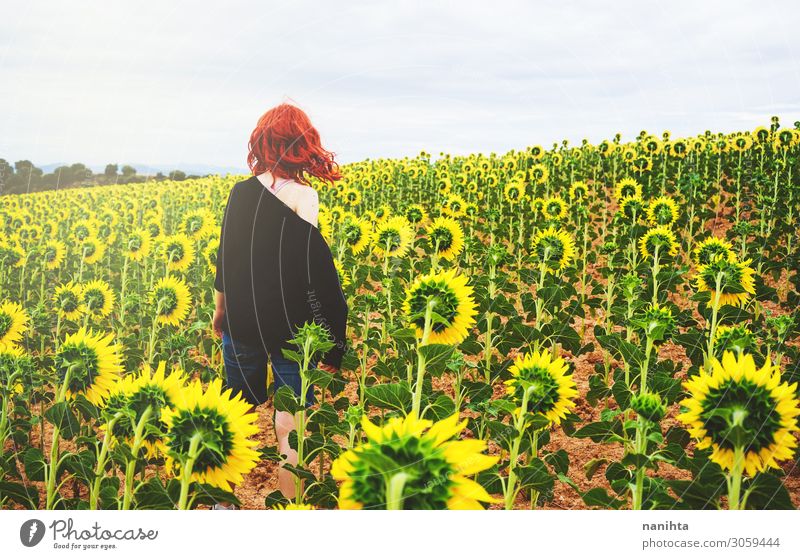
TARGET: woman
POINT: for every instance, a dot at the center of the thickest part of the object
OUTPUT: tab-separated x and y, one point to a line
275	271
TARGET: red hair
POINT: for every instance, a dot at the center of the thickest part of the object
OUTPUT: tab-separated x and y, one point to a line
286	144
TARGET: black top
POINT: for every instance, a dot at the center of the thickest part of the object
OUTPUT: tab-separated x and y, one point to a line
277	273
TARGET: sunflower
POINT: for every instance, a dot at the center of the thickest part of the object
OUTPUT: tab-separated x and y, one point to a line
137	392
578	191
13	322
538	174
210	255
89	363
393	237
553	247
198	224
68	301
222	424
137	247
536	152
357	233
352	197
740	405
92	249
736	280
416	214
413	464
446	237
652	145
710	249
641	164
344	277
293	506
555	208
454	206
550	389
451	299
178	251
662	211
736	338
11	253
53	254
537	205
171	298
97	298
514	192
661	238
742	143
761	135
627	187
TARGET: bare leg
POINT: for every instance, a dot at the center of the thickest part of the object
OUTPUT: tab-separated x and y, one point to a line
285	424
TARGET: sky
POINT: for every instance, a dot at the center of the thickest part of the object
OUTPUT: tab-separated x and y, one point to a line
183	83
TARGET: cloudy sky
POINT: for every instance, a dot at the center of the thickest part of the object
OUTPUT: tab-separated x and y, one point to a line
170	83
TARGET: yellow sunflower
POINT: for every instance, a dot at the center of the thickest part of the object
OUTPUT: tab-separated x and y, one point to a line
352	197
446	237
555	208
661	239
357	234
539	174
454	206
578	191
662	211
221	427
627	187
89	364
393	237
712	248
171	299
737	404
198	224
514	192
13	322
545	385
416	214
736	280
413	464
554	247
68	301
293	506
92	249
53	254
178	251
450	298
137	247
97	298
210	255
136	392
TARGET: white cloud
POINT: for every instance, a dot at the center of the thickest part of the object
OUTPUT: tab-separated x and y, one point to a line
164	82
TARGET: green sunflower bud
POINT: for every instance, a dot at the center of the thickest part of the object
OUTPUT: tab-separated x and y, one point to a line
649	406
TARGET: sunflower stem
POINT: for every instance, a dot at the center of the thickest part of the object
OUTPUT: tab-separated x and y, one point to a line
394	491
188	466
519	425
735	480
426	332
130	466
102	460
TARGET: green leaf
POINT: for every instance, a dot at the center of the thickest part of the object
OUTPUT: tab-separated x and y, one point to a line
601	431
440	408
26	496
621	348
286	400
436	357
599	497
270	453
591	467
767	492
275	498
33	459
390	396
61	416
536	476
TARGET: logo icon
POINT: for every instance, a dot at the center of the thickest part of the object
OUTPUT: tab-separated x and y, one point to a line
31	532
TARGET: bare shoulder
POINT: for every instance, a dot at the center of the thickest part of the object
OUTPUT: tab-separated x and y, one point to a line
307	203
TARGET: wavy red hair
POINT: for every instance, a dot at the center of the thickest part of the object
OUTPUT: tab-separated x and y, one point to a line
286	144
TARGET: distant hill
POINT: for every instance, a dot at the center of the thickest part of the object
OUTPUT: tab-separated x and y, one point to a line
145	169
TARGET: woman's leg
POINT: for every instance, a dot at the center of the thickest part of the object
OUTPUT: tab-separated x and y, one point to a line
245	374
287	373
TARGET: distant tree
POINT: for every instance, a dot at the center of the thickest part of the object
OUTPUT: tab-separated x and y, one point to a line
128	171
160	176
111	171
177	175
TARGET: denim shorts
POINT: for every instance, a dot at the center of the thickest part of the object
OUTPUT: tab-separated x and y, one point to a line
246	371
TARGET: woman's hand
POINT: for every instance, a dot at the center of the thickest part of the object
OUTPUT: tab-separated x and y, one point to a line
219	317
327	368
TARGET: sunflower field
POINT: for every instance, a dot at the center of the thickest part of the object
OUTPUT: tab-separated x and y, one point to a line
597	326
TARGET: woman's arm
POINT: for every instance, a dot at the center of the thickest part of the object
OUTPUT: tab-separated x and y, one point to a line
219	312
